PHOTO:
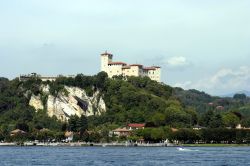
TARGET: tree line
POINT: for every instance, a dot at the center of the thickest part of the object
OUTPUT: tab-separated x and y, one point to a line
128	100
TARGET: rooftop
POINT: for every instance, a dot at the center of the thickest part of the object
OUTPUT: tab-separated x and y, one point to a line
121	130
117	63
106	53
149	68
136	65
17	131
137	125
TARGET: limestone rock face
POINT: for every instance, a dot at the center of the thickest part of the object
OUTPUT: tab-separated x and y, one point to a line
75	102
36	102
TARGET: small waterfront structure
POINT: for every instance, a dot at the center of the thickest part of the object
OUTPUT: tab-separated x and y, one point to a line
136	126
198	127
123	69
44	130
174	129
122	132
69	135
17	132
239	127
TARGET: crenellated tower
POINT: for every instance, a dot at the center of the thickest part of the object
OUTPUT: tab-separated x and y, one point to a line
106	58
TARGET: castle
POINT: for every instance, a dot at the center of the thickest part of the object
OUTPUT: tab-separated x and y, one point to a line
112	69
121	68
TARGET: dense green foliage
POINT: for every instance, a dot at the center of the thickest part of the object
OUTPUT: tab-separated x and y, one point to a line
17	114
128	100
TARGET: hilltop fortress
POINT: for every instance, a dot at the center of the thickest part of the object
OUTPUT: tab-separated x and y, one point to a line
112	69
121	68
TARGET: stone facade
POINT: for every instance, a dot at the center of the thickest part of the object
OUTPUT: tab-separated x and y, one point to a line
121	68
43	78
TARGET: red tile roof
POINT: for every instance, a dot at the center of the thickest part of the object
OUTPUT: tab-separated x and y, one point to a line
136	125
117	63
156	66
136	65
220	108
149	68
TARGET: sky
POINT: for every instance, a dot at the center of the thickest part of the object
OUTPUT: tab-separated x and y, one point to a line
202	45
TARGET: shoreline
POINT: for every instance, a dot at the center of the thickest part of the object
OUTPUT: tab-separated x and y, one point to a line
83	144
215	145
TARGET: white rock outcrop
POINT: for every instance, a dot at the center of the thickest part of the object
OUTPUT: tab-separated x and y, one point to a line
75	102
36	102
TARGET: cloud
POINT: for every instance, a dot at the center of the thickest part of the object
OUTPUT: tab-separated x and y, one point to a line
225	80
177	63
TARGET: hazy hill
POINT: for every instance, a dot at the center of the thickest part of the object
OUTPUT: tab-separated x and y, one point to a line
247	93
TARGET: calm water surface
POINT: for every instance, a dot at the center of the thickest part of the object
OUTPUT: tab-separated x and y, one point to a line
195	156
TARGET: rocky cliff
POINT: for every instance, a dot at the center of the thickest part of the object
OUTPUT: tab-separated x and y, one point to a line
74	101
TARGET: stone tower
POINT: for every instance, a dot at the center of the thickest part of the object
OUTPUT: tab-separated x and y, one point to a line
106	58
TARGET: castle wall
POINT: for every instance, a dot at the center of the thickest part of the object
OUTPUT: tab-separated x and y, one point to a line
120	68
114	70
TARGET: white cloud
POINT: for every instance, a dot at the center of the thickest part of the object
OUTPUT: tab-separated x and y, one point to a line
177	63
224	81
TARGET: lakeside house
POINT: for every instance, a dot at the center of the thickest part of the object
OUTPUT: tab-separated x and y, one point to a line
69	135
136	126
239	127
122	132
126	131
174	129
17	132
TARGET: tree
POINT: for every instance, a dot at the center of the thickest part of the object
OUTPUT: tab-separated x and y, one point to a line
83	124
240	96
230	120
78	124
73	123
176	117
216	121
157	135
194	115
100	80
185	135
158	119
22	126
206	118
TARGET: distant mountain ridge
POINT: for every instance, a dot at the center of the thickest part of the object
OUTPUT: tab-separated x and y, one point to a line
247	93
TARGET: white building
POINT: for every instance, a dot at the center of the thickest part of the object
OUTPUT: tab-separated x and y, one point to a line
43	78
121	68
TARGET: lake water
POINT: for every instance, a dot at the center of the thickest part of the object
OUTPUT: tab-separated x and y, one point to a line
69	156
